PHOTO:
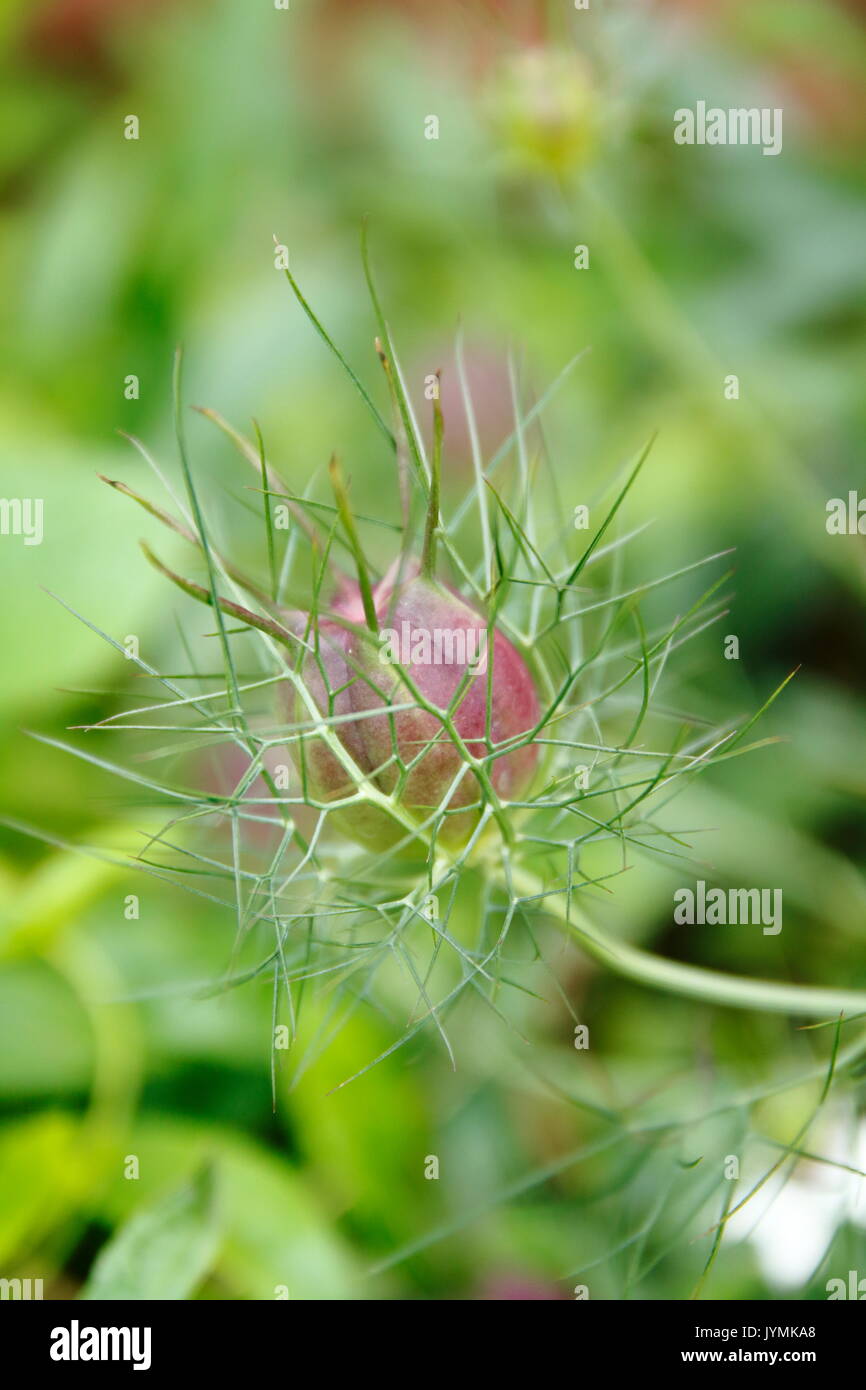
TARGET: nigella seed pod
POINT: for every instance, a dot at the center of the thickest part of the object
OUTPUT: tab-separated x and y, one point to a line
412	720
412	705
404	702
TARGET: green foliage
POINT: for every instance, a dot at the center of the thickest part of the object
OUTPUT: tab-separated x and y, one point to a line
124	1035
163	1251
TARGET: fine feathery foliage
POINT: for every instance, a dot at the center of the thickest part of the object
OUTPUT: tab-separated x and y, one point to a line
449	898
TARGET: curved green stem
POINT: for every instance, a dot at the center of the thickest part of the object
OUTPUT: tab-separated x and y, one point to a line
118	1061
691	981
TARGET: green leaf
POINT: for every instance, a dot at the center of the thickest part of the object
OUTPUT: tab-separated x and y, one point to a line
276	1232
163	1251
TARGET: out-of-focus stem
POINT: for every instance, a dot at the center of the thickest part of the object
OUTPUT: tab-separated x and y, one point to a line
690	981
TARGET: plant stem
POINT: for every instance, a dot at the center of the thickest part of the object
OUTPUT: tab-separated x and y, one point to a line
691	981
428	554
345	513
278	631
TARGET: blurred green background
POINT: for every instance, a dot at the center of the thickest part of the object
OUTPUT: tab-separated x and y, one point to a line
555	130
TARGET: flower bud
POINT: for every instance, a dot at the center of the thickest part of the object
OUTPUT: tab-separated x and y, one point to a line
433	654
543	105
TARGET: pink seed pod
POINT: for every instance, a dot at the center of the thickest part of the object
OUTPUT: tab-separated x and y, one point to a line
408	705
386	695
